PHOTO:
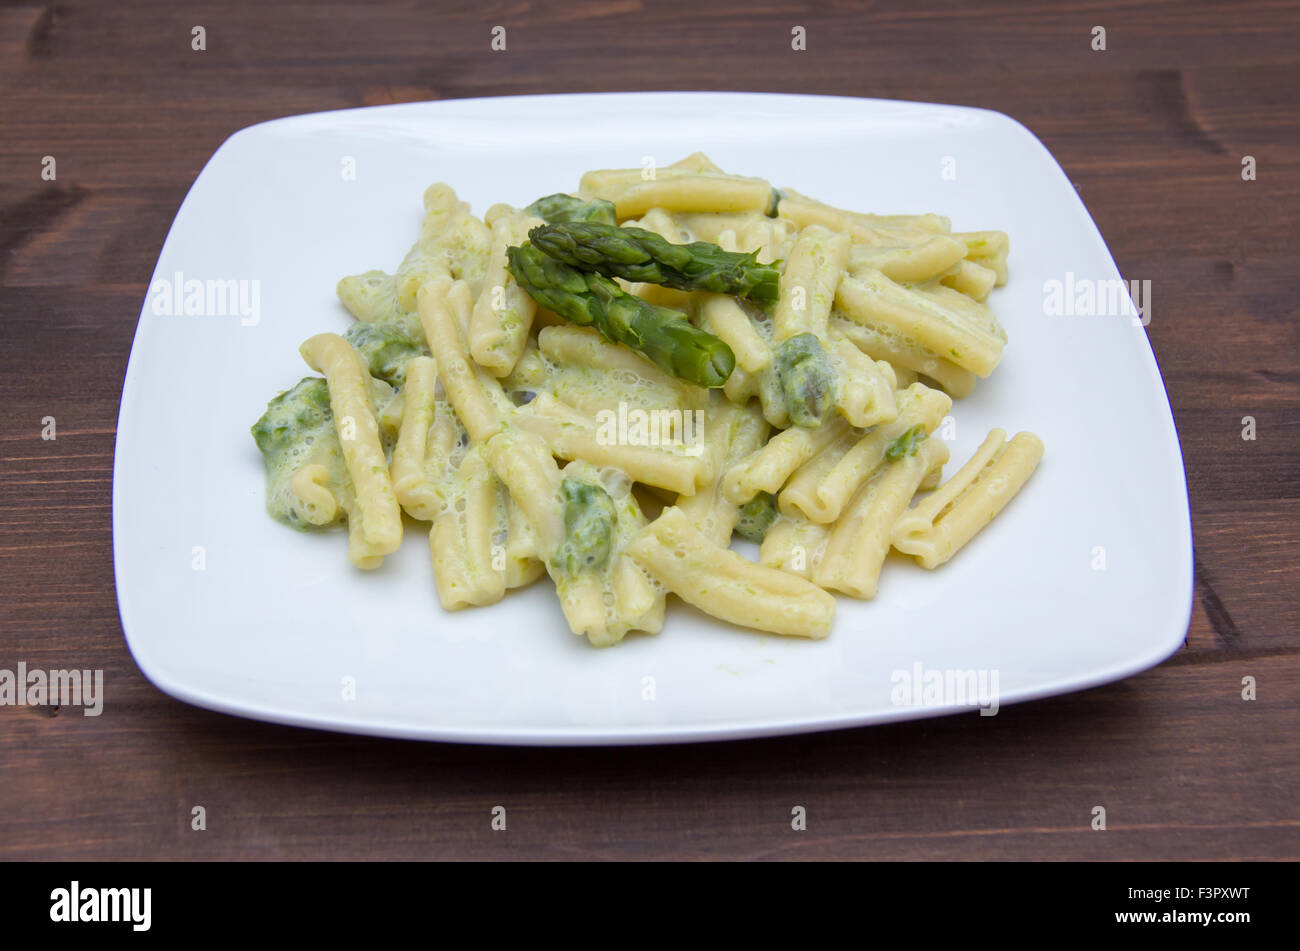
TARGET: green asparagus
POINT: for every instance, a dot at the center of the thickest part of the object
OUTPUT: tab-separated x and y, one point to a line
297	429
589	519
774	204
807	379
756	517
906	444
635	254
561	208
385	348
291	416
661	334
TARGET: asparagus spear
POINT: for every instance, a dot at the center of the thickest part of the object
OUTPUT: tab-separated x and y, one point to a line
807	380
663	335
635	254
556	209
756	517
589	519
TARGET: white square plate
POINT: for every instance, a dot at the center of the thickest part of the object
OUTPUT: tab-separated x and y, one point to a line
227	609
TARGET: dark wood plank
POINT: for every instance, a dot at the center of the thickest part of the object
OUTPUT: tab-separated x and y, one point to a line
1152	131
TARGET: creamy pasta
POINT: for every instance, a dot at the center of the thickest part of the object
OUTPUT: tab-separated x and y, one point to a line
609	387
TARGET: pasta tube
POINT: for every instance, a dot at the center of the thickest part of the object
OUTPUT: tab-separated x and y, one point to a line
946	520
795	545
571	435
586	347
524	464
973	280
723	317
721	583
767	469
821	489
860	539
902	352
477	396
697	161
910	264
634	193
989	249
453	244
415	491
969	338
879	230
315	502
375	528
461	540
864	388
808	282
503	312
732	433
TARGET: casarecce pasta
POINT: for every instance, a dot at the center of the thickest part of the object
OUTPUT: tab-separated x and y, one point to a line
610	386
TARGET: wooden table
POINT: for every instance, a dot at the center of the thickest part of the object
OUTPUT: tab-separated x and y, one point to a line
1153	130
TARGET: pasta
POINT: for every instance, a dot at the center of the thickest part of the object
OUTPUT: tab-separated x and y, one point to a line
503	313
720	582
937	529
609	387
374	524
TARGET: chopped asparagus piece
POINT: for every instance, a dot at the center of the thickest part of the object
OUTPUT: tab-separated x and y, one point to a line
906	444
290	416
756	517
561	208
589	518
807	379
384	348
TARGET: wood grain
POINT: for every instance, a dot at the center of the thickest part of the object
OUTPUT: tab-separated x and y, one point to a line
1152	131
